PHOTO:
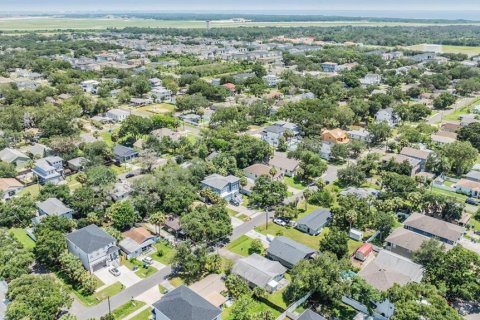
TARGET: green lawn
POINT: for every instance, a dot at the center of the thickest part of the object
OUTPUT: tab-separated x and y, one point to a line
34	190
159	108
256	307
308	240
126	309
98	297
353	246
144	315
475	223
458	196
455	115
118	169
290	181
277	297
162	289
241	246
142	272
72	183
168	252
176	282
107	138
22	236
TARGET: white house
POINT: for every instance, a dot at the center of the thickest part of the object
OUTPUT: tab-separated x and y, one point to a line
271	80
117	115
289	131
10	187
161	94
90	86
360	134
226	187
94	247
389	116
371	79
52	207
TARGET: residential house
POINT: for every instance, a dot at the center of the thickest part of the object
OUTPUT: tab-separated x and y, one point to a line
360	193
14	156
94	247
388	269
442	139
355	234
191	118
49	170
389	116
325	150
90	86
38	150
161	94
139	102
310	315
360	134
371	79
121	191
288	252
415	164
242	77
230	87
183	303
473	175
421	155
335	136
260	272
285	165
434	228
329	67
314	222
256	170
77	164
52	207
468	187
166	132
405	242
226	187
10	187
450	126
289	131
423	57
271	80
124	154
136	242
117	115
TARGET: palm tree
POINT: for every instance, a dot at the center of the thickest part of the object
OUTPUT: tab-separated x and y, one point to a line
157	219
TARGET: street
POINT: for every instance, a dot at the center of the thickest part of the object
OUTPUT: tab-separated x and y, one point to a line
437	117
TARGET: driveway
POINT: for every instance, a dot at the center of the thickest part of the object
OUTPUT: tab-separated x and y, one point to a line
127	277
331	175
470	245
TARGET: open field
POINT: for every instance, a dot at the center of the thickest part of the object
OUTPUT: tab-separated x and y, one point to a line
470	51
56	23
21	235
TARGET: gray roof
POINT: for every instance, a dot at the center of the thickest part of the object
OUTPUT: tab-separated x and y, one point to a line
282	161
317	219
288	250
78	162
434	226
53	207
360	192
218	181
310	315
184	304
389	268
11	155
473	175
39	149
258	270
90	238
275	129
123	151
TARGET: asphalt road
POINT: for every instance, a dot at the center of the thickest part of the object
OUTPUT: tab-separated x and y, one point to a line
256	221
437	117
83	312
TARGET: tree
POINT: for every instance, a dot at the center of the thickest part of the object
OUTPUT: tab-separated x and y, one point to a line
433	305
7	170
248	150
461	155
336	242
135	126
48	246
236	286
190	261
256	247
100	176
157	219
122	214
268	193
15	260
399	183
191	103
351	175
207	225
50	190
18	211
36	297
340	151
379	132
444	100
85	199
71	269
311	166
470	133
242	308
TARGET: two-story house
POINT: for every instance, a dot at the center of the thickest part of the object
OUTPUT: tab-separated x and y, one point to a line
335	136
10	187
94	247
49	169
14	156
51	207
226	187
90	86
389	116
185	304
273	134
117	115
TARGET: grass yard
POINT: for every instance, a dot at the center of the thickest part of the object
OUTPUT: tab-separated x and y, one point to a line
290	181
118	169
176	281
353	246
162	289
144	315
277	297
33	190
22	236
159	108
168	252
241	245
72	183
107	138
256	307
98	297
126	309
142	272
308	240
455	115
475	223
458	196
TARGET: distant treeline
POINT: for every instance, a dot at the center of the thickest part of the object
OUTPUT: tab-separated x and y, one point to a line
461	35
260	17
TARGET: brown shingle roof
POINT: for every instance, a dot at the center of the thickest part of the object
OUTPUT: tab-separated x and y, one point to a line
435	226
139	235
6	183
415	153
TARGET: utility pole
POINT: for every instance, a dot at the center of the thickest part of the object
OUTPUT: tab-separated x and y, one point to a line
109	308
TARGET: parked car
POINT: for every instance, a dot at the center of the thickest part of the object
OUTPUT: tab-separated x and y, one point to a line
130	175
147	260
280	222
472	201
114	271
235	202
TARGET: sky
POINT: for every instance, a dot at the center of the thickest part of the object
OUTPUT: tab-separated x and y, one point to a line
236	5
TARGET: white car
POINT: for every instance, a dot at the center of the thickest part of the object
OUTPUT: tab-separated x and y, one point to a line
280	222
147	260
114	271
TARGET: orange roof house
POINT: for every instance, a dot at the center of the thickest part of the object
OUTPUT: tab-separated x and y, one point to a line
335	136
136	241
230	86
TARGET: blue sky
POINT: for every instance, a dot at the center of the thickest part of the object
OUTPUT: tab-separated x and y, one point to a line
244	5
237	5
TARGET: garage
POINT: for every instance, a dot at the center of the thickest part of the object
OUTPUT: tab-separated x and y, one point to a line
99	265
